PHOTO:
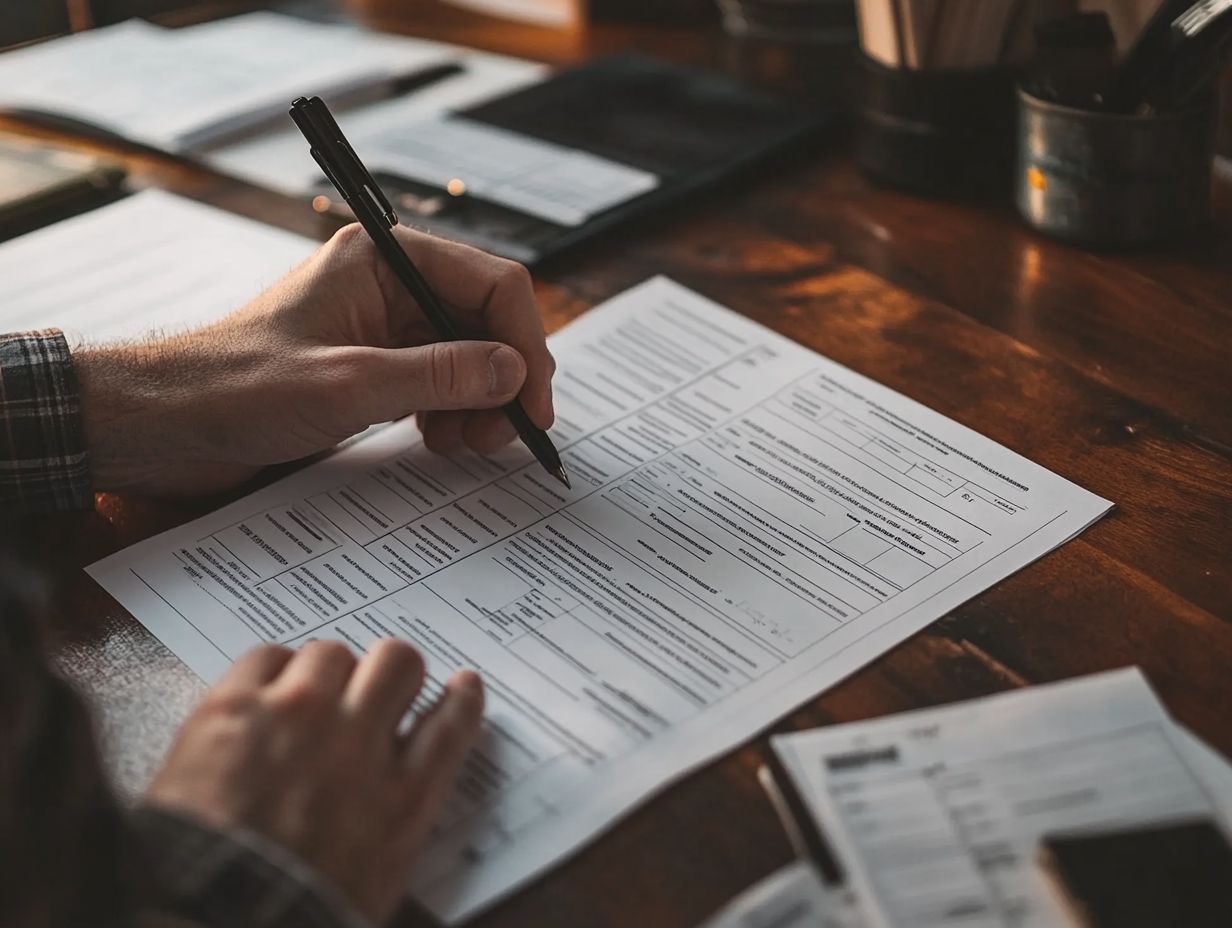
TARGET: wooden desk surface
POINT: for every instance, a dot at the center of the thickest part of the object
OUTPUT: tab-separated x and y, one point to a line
1113	370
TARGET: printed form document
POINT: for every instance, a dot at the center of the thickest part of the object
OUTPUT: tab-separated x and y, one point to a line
750	523
937	815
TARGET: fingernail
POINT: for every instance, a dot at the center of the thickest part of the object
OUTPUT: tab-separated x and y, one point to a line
468	680
504	371
467	685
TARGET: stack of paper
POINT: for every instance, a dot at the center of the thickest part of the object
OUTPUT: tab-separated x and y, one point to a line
152	263
179	89
936	816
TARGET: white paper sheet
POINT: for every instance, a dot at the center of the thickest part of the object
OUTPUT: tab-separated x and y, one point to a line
153	262
178	88
557	13
562	185
750	523
279	159
937	814
793	897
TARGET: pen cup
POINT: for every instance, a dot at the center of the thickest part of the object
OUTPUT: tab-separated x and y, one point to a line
945	132
1112	180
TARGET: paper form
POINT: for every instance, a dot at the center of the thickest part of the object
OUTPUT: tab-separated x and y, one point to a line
793	897
150	263
562	185
279	159
750	522
178	88
938	814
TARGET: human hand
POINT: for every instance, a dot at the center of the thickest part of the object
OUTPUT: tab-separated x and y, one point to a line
303	748
335	346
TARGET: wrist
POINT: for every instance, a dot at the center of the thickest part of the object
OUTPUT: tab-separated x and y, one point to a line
164	417
129	415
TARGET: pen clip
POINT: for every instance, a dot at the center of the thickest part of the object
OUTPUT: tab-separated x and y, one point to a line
368	183
363	183
325	169
337	159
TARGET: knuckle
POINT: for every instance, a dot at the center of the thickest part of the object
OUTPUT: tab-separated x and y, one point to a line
515	276
330	652
445	370
231	704
268	652
303	697
396	651
349	238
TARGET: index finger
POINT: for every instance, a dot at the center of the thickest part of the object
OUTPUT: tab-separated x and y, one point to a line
255	668
496	300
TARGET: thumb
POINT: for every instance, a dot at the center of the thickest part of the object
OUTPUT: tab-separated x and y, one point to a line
445	375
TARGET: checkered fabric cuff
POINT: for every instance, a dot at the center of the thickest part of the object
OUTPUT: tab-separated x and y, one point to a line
43	465
235	878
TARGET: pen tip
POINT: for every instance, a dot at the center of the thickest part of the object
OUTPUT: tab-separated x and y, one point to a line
563	477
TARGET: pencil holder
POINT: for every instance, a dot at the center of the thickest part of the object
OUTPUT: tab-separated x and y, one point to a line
944	132
1110	180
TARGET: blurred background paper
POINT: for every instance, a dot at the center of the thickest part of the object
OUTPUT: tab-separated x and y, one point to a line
178	89
539	12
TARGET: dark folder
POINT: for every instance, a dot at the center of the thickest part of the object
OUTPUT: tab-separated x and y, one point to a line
691	128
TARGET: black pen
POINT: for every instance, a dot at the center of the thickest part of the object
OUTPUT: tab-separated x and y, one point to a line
375	213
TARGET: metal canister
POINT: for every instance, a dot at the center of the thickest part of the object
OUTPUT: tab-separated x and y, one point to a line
1112	180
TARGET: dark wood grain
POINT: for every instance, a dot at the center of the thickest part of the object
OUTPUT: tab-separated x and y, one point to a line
1115	370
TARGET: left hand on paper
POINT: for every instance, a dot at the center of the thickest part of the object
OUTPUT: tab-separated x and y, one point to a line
304	748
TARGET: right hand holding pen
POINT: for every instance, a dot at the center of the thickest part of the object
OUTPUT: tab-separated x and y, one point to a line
335	346
303	748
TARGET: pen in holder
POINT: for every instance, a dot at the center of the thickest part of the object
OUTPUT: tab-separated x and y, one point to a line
940	131
1111	179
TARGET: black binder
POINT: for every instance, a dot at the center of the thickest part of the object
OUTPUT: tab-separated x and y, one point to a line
691	128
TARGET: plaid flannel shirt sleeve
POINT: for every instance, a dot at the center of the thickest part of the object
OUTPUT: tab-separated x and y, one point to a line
43	464
232	879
